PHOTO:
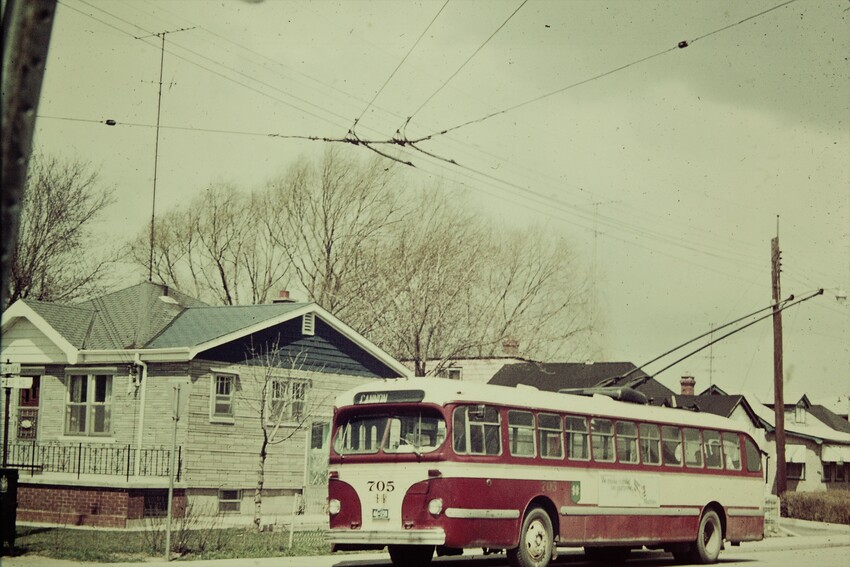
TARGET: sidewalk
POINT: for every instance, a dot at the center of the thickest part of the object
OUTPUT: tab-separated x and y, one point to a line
796	535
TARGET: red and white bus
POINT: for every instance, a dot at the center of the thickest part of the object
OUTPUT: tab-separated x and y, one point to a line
419	464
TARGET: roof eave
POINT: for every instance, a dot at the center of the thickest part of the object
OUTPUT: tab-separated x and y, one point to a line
20	310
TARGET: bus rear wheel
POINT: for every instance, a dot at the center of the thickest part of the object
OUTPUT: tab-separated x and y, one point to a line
706	549
535	541
411	555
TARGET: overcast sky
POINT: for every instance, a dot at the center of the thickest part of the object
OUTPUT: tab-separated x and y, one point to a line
666	167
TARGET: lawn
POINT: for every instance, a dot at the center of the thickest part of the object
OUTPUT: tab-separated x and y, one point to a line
122	545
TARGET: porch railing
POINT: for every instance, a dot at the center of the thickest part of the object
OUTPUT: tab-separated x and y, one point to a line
81	458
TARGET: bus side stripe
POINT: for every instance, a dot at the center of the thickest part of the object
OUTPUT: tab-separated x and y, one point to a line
469	513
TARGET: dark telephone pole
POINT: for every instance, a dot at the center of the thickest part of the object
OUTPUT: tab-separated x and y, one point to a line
778	396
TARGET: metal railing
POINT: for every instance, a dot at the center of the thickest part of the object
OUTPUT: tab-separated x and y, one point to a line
81	458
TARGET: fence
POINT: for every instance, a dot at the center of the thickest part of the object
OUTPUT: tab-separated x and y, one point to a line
82	459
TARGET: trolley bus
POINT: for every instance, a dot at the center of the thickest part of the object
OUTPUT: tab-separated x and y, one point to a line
424	464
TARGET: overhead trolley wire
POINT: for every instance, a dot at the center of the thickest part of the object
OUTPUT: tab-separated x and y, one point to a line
400	63
680	45
468	59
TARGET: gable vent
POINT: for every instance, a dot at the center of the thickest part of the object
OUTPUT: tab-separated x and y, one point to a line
308	324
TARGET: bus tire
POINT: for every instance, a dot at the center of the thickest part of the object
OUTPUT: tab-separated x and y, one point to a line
411	555
535	541
706	549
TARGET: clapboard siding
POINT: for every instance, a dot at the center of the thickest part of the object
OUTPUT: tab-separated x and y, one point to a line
226	455
24	343
327	351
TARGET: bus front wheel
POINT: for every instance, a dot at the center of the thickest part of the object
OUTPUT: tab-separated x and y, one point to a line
706	549
535	541
411	555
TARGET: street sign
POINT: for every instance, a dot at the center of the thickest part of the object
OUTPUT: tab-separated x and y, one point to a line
22	382
10	368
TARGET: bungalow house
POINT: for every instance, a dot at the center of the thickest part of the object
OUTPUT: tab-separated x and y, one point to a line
92	437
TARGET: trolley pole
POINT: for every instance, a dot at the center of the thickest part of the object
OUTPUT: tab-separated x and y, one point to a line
778	395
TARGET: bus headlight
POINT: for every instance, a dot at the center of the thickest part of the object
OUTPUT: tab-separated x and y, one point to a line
334	506
435	506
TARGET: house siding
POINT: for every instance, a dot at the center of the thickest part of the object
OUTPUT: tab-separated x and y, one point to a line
24	343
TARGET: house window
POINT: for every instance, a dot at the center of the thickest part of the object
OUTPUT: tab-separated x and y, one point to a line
452	373
795	471
288	400
229	500
222	398
840	472
28	410
155	503
800	414
88	409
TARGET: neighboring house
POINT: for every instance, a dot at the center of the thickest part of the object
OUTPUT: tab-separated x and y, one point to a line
473	369
554	376
817	441
93	436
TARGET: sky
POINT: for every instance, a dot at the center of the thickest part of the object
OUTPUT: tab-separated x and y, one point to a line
669	168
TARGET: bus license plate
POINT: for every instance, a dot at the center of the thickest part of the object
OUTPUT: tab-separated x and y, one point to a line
380	514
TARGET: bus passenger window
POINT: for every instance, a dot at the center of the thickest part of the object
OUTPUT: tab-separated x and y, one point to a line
521	433
577	449
650	440
693	448
476	430
549	436
602	439
627	442
732	451
671	445
753	455
713	452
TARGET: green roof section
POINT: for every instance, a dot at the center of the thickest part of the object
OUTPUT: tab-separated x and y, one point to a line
70	321
198	325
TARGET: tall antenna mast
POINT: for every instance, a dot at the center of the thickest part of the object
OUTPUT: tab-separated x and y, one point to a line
160	35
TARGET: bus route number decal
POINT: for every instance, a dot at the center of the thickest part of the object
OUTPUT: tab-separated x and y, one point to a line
380	485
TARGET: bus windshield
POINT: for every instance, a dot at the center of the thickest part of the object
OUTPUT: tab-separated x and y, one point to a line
401	432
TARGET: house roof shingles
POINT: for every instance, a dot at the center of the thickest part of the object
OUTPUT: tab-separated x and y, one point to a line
553	376
198	325
70	321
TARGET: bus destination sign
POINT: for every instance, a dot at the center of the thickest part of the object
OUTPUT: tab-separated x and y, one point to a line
389	397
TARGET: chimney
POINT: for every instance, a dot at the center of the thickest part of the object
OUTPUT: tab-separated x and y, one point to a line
510	346
687	383
283	297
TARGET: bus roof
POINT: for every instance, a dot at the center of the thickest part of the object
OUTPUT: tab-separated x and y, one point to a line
442	391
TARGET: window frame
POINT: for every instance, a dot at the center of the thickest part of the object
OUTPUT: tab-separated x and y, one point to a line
628	440
90	405
236	501
691	445
546	433
667	441
644	439
568	437
216	398
487	428
516	430
603	436
791	471
281	393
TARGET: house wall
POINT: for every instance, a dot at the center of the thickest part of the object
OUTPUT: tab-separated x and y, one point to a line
24	343
226	455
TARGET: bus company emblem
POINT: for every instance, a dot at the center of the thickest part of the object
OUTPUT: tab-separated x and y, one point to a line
575	491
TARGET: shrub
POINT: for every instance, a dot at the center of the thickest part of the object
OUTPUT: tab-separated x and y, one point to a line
832	506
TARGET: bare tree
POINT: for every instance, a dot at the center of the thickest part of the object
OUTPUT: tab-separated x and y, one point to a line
217	248
52	259
326	217
284	404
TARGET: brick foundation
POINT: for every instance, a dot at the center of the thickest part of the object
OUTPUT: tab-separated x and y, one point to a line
86	506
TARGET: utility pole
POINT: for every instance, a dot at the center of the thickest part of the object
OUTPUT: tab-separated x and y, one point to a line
160	35
778	396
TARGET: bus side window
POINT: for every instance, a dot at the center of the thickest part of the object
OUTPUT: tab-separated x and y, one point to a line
671	445
753	455
549	436
521	433
602	438
476	430
627	442
576	428
693	448
650	438
713	452
732	451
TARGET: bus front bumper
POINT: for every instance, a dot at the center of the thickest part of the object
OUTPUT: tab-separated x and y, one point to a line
434	536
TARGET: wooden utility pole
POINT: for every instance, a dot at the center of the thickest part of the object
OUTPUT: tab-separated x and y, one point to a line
778	396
